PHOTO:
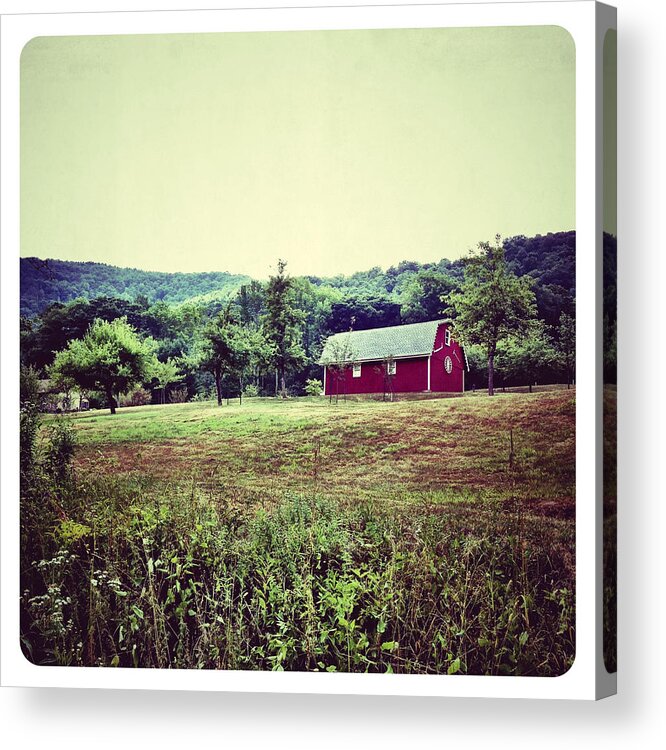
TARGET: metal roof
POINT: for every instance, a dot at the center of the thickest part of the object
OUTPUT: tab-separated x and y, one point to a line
411	340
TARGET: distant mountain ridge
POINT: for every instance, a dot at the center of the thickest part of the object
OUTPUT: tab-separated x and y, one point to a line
46	281
549	259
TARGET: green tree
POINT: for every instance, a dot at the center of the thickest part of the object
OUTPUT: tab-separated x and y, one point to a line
529	357
421	299
110	357
218	348
251	352
566	345
338	357
492	304
282	324
165	373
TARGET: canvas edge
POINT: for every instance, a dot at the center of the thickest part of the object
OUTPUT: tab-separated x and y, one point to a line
606	20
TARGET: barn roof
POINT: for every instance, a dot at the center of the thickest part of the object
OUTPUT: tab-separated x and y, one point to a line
411	340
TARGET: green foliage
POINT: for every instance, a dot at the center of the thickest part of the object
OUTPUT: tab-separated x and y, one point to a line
46	281
135	397
175	309
528	358
232	351
363	311
29	422
566	345
59	451
175	580
422	298
282	324
338	357
110	357
332	556
165	373
314	387
492	304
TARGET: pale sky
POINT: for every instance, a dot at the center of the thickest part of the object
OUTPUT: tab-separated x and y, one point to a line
335	150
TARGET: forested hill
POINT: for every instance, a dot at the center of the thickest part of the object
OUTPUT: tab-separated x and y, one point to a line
46	281
407	292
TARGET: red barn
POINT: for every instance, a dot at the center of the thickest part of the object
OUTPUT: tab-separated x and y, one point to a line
414	358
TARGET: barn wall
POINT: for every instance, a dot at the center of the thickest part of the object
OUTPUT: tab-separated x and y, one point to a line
440	380
411	377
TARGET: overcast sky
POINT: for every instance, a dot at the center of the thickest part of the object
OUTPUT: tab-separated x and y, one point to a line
335	150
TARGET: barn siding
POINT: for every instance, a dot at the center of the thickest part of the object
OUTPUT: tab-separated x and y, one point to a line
440	380
411	376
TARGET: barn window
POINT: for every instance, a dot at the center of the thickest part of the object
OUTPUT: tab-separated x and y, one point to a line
356	371
447	337
448	364
391	368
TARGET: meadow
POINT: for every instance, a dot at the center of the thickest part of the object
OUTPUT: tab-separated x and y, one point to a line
417	536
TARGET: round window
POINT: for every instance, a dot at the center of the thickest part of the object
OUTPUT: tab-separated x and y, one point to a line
448	364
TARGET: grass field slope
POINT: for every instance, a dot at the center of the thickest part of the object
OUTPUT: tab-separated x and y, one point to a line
432	536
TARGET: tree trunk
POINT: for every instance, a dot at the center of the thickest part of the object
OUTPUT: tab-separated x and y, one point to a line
111	400
240	392
218	386
491	374
283	387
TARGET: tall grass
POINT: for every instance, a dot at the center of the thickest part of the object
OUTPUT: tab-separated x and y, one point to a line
120	570
130	573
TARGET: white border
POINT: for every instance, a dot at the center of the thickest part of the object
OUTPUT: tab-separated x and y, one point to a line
578	18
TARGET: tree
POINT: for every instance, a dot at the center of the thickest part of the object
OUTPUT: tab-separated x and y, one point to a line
529	357
251	351
386	370
110	357
165	373
338	357
218	353
250	302
492	303
363	311
282	325
566	345
421	299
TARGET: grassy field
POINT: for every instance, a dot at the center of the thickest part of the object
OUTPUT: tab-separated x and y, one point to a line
436	450
432	536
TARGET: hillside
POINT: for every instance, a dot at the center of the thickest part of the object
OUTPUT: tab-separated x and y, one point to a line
46	281
549	259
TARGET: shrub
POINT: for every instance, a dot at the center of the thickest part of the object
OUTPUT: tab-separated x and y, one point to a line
175	580
137	397
59	451
251	391
202	396
29	420
178	395
313	387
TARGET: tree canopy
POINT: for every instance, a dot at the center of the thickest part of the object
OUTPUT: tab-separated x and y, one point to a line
492	303
281	324
110	357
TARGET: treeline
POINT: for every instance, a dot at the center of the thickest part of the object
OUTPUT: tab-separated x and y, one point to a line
44	282
281	324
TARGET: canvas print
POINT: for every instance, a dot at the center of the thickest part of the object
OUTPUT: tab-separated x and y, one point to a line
298	377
